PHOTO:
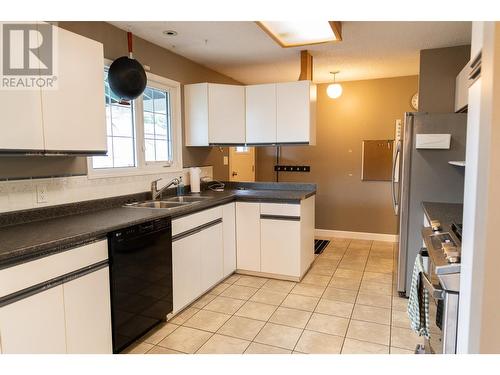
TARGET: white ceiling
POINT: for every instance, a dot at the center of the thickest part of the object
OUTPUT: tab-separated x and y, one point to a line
244	52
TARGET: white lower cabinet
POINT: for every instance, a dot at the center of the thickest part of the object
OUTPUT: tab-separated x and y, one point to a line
87	311
229	237
248	236
280	246
275	239
197	256
186	269
212	255
35	324
203	252
72	317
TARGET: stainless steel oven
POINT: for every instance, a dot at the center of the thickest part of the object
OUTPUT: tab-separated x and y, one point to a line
442	281
443	314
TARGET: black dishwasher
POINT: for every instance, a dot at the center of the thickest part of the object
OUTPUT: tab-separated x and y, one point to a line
140	260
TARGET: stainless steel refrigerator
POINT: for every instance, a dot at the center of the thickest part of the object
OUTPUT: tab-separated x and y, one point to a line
424	174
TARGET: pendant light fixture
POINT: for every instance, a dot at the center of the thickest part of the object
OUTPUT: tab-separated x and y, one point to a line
334	90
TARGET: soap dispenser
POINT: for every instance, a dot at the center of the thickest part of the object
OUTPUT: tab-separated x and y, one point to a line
180	187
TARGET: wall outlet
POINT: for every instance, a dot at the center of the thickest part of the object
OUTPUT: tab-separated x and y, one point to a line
41	194
226	160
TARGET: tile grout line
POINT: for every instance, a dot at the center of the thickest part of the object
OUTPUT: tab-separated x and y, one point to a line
345	253
317	303
260	330
357	294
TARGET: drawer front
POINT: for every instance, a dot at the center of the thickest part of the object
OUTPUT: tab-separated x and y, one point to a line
189	222
25	275
280	209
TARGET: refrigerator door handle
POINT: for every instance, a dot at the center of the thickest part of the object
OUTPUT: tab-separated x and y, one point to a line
395	204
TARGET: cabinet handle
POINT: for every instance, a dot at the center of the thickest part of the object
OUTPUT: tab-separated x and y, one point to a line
197	229
279	217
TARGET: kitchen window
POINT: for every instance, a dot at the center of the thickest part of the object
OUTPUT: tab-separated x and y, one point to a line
144	136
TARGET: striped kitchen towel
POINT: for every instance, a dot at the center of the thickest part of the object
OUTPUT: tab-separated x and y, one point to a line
418	303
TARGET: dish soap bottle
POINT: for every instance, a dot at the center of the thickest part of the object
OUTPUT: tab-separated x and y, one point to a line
180	187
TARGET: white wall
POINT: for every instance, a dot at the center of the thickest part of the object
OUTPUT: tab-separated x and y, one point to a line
21	194
479	317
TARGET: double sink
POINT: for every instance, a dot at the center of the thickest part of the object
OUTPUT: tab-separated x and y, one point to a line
170	203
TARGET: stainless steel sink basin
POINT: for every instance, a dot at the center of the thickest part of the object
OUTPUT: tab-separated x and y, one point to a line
187	199
158	204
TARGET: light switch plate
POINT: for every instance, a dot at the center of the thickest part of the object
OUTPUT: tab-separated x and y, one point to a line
433	141
41	194
226	160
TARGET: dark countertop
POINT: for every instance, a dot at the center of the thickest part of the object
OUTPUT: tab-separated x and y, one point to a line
30	240
446	213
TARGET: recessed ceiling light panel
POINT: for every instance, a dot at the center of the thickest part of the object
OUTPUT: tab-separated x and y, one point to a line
300	33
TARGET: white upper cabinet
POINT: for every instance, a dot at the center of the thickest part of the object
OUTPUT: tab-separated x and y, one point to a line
74	114
261	114
226	113
196	114
68	117
462	88
477	39
296	112
215	114
21	124
257	114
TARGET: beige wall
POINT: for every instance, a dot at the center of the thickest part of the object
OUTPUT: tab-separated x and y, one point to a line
163	63
366	110
438	69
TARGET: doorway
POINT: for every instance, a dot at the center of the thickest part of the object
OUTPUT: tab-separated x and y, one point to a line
242	164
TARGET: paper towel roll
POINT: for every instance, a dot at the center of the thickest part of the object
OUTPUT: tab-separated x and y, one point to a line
194	177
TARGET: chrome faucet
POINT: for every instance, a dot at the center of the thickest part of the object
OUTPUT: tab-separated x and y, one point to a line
155	193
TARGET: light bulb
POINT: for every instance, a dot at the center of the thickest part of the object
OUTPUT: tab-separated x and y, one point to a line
334	90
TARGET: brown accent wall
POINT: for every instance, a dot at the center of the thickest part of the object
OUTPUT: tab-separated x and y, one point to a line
438	69
366	110
162	62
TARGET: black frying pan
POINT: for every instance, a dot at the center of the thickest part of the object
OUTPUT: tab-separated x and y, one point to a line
126	76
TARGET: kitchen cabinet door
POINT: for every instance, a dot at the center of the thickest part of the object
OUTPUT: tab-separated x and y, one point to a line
476	38
212	256
74	115
229	237
261	113
186	269
248	236
295	112
196	114
35	324
226	114
21	125
88	314
280	247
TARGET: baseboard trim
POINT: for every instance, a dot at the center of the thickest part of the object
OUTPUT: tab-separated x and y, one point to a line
356	235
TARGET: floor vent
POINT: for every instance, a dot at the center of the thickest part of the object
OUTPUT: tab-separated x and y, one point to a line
319	246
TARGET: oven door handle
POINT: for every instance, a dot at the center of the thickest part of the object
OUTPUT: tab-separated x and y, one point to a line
437	294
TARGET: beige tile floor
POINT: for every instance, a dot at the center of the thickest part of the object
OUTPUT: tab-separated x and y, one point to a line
346	304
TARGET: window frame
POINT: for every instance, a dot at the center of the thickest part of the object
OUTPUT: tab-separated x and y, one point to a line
152	167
